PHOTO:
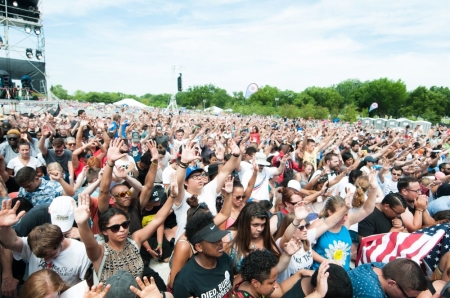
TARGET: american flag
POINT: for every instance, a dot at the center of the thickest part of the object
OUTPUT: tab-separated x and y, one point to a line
418	246
432	259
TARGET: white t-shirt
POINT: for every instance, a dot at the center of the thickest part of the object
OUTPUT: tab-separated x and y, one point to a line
168	171
300	260
15	164
121	162
261	188
71	264
331	176
208	196
389	186
177	144
245	167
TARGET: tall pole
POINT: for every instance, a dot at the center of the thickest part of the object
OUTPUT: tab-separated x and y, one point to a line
204	103
276	102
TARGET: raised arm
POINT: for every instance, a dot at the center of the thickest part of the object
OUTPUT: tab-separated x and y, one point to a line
41	144
151	174
112	155
384	170
81	213
67	189
8	218
369	205
228	167
225	212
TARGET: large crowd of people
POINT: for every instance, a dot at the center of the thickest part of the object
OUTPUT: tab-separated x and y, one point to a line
237	206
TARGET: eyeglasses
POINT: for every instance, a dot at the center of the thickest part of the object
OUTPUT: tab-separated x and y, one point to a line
12	139
306	226
415	190
123	194
116	228
200	206
396	213
401	289
198	177
239	197
70	144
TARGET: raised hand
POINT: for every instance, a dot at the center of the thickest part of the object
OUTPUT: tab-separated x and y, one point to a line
235	149
148	289
8	216
173	185
373	179
293	245
114	150
82	212
152	147
55	175
300	211
348	198
228	185
189	155
97	291
322	278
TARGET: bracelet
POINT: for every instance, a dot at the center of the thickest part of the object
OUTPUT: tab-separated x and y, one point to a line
159	244
183	165
155	162
236	155
295	224
419	210
112	166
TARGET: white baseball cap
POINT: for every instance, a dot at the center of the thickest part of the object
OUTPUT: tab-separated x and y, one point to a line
61	212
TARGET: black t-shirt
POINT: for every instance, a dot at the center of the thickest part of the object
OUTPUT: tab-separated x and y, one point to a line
171	220
196	281
36	216
296	291
375	223
141	174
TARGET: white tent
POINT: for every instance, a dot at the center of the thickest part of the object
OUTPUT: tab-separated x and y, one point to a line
130	102
214	109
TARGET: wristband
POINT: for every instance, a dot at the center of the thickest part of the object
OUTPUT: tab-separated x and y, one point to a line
236	155
160	245
155	162
295	224
112	166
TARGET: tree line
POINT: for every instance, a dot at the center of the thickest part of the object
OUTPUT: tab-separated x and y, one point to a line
345	100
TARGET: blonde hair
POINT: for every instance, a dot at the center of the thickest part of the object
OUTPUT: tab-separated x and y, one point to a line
331	204
54	166
362	185
43	283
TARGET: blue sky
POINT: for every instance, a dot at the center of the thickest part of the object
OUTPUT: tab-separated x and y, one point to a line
130	45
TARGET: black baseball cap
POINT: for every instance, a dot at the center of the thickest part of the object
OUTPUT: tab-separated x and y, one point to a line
210	233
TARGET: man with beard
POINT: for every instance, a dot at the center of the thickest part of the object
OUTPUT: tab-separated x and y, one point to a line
331	166
127	161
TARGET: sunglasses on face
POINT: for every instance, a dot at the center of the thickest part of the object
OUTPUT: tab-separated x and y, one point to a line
123	194
239	197
306	226
13	139
116	228
59	151
70	144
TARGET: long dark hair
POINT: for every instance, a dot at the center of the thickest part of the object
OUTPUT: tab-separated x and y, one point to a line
241	242
104	218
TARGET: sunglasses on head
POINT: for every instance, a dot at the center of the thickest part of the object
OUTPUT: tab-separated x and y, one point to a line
200	206
123	194
116	228
306	226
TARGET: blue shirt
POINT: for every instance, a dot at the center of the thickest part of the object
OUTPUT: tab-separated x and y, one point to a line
113	128
44	193
335	246
365	281
439	204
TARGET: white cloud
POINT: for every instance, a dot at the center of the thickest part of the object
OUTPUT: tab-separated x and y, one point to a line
232	44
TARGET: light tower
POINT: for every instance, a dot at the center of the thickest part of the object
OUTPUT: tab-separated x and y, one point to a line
22	53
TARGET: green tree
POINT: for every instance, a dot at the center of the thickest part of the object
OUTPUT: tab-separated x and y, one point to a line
446	92
265	96
60	92
390	96
426	104
328	98
347	87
